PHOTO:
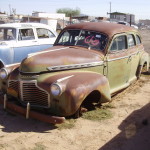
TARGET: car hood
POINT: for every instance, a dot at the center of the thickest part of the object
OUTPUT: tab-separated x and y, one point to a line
60	58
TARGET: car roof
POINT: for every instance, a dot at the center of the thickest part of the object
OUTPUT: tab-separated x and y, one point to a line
104	27
21	25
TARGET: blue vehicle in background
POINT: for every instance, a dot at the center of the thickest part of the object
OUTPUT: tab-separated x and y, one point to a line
17	40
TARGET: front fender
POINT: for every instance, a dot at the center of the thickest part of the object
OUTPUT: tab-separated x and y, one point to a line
11	69
76	86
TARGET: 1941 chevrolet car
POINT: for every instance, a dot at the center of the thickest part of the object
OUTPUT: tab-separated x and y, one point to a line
87	64
17	40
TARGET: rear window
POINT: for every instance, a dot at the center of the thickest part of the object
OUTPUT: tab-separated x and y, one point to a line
138	40
44	33
131	40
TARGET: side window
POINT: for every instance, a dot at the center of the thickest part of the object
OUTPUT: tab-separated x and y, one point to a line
65	38
69	37
131	40
44	33
7	34
26	34
119	43
138	40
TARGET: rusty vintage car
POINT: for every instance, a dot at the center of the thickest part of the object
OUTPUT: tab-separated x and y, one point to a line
87	64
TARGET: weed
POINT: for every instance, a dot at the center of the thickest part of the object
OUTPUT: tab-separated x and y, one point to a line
98	114
68	124
108	105
39	146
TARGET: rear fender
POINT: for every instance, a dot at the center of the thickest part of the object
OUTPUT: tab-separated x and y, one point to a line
145	58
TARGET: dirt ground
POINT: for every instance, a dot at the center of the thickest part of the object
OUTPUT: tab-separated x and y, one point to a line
128	129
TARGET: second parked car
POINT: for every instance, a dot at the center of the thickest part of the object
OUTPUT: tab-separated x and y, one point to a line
17	40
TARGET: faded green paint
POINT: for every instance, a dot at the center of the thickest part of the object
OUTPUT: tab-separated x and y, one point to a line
69	66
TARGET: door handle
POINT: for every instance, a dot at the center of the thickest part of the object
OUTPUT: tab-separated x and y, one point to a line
137	53
130	58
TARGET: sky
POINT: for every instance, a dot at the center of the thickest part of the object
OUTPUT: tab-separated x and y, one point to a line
140	8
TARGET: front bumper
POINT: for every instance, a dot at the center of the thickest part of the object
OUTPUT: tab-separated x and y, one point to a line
14	108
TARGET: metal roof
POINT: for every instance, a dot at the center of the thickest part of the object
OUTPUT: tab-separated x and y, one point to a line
21	25
107	28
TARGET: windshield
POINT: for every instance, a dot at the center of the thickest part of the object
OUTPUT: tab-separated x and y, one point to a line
7	34
83	38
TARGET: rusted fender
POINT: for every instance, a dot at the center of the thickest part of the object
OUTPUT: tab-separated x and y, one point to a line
145	57
76	86
9	68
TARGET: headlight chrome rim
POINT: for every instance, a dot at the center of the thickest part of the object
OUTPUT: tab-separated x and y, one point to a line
56	89
3	73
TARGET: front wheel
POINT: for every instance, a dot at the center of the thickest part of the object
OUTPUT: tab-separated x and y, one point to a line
1	65
79	112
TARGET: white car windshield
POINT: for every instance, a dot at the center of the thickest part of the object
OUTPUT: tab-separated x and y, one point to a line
83	38
7	34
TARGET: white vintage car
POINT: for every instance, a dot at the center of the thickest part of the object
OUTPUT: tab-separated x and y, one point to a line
17	40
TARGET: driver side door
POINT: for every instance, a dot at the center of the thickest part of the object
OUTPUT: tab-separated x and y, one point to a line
118	63
27	43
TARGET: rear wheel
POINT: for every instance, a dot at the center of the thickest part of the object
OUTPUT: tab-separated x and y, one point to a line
141	69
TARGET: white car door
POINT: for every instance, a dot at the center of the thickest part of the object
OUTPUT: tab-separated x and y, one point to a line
26	43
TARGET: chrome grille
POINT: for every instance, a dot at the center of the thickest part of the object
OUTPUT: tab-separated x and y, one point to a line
30	92
33	77
14	85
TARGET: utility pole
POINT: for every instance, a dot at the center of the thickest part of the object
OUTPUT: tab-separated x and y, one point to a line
130	19
70	18
10	9
110	11
110	8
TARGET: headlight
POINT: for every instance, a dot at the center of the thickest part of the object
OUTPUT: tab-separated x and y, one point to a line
3	73
56	89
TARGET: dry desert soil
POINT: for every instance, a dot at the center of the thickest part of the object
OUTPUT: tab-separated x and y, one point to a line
127	129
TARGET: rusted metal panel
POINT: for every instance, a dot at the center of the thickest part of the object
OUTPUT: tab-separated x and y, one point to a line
103	27
60	79
32	114
75	87
59	56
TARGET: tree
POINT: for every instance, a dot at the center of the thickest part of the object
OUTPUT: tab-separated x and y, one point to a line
69	11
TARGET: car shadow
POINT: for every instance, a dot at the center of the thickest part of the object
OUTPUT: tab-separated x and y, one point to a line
15	123
135	132
146	73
